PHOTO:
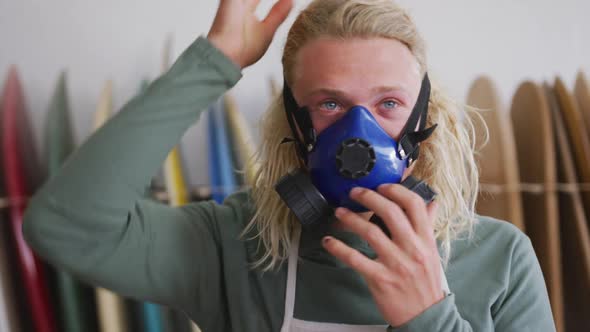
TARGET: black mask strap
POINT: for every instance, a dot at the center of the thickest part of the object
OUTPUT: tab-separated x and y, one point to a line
298	117
410	139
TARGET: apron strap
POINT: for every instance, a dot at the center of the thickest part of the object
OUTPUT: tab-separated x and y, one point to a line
291	280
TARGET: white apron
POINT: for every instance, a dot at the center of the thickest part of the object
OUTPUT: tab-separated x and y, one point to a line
291	324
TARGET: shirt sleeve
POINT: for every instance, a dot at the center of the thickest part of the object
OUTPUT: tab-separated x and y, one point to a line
442	316
523	306
91	219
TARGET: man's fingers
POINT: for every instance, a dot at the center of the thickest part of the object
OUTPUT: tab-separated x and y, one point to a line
392	215
352	258
411	203
252	4
277	15
387	250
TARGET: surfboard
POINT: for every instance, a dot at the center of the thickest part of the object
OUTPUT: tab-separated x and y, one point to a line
575	236
499	196
9	318
533	133
75	300
241	140
221	167
152	318
577	132
582	94
213	160
222	170
175	179
20	164
9	304
111	308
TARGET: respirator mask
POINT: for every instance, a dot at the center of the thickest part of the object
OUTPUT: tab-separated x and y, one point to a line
352	152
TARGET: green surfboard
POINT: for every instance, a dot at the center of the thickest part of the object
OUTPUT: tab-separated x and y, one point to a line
75	300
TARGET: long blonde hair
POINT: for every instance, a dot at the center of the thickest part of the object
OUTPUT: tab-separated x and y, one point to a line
446	160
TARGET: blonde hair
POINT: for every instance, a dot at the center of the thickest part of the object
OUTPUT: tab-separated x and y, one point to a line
446	160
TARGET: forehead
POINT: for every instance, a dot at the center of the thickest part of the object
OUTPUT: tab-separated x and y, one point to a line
355	65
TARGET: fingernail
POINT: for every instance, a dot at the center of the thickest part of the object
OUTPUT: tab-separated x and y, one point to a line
340	212
326	239
356	191
386	187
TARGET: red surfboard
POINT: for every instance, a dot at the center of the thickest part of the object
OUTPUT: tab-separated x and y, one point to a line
21	175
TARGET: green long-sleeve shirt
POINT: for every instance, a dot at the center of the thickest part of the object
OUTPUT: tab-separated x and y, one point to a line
91	220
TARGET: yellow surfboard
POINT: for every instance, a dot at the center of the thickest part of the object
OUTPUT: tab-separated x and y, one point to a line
499	196
175	181
242	141
173	172
112	314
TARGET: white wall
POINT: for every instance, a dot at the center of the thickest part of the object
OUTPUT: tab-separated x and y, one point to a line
510	40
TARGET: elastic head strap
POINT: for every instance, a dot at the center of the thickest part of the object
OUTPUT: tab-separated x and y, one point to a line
410	138
298	118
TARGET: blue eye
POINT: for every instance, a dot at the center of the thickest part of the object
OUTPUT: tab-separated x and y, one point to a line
330	105
390	104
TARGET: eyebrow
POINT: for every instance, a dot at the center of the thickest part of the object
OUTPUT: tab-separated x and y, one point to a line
342	94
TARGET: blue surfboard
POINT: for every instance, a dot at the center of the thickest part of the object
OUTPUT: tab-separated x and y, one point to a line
222	169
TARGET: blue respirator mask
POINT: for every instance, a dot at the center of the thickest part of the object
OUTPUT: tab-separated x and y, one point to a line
352	152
